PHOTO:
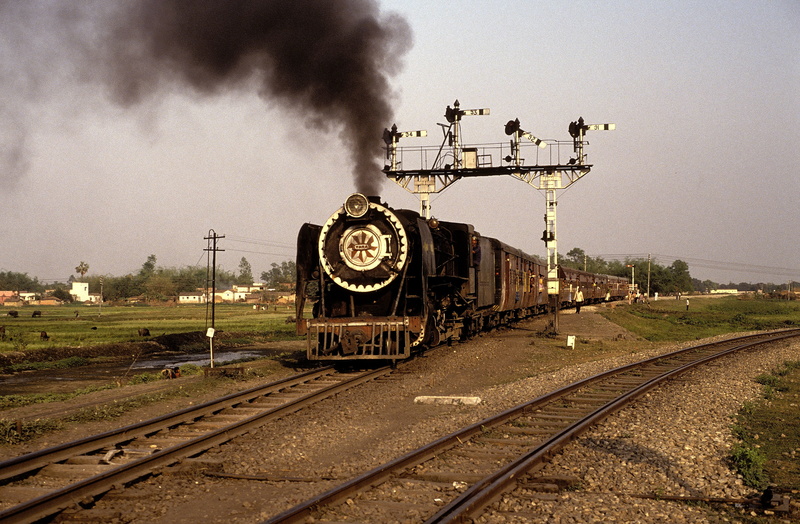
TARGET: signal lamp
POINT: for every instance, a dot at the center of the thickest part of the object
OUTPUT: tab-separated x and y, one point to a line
512	126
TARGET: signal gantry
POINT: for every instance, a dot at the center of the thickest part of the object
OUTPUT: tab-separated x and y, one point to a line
452	161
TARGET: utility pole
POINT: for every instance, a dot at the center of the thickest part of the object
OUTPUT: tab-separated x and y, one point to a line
648	276
632	287
212	249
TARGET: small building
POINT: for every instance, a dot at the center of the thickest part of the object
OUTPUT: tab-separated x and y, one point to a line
50	301
194	297
13	301
286	299
252	288
9	298
80	291
28	297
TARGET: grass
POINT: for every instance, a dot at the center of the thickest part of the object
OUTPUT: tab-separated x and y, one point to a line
120	324
16	401
15	432
668	320
64	363
769	442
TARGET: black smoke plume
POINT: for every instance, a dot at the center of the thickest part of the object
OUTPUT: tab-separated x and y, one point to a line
330	60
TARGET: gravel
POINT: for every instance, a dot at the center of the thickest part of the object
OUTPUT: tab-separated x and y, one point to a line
657	447
650	447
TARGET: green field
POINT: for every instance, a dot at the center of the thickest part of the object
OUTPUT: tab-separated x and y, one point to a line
669	320
659	321
119	324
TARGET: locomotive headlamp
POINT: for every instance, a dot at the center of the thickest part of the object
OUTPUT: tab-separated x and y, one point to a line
356	205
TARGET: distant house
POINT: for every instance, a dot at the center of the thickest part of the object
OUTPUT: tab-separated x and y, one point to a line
80	291
50	301
252	288
286	299
28	297
194	297
254	298
7	297
13	301
235	294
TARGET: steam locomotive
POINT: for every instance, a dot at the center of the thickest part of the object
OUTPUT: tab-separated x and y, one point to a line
385	282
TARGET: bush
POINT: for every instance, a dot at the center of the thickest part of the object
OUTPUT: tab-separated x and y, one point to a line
191	369
749	463
12	432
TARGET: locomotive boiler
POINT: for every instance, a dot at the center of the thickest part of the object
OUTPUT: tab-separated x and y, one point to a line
384	282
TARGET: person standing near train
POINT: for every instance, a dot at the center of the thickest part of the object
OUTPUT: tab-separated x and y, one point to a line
578	301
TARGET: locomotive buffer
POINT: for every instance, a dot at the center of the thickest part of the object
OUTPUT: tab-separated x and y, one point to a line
453	161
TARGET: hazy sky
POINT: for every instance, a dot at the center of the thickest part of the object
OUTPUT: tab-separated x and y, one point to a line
702	165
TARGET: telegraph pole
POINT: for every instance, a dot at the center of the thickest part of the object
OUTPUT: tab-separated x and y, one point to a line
212	249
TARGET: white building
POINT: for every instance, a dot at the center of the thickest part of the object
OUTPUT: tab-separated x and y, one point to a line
198	297
80	291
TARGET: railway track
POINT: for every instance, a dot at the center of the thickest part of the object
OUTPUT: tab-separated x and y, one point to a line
454	478
48	481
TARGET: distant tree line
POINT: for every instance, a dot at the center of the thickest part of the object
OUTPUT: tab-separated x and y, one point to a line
151	282
674	278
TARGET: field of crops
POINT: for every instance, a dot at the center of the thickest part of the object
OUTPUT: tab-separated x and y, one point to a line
672	320
81	326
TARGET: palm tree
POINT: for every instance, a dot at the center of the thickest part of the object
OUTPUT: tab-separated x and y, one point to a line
82	268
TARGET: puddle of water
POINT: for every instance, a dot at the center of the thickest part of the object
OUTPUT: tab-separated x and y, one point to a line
221	357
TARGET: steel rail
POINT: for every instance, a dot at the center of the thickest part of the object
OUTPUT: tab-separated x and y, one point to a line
489	489
29	462
88	489
386	471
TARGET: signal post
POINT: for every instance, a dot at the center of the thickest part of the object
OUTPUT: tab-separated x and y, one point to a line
451	161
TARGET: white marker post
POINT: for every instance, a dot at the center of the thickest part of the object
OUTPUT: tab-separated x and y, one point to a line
210	335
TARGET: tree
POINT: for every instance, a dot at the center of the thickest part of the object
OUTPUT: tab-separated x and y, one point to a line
63	295
149	267
82	268
285	273
160	287
245	273
577	256
679	273
13	281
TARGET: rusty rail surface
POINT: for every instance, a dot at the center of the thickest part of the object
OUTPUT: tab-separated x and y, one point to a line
165	440
439	480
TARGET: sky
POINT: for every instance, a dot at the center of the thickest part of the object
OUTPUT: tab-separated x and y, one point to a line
702	165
